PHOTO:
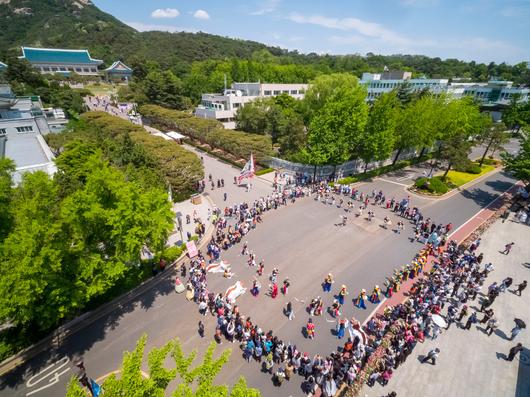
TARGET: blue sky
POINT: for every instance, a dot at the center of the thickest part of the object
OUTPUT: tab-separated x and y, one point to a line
480	30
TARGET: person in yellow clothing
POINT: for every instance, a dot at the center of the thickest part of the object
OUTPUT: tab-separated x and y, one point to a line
361	299
342	294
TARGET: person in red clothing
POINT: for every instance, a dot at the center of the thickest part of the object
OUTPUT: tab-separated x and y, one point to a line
310	327
274	290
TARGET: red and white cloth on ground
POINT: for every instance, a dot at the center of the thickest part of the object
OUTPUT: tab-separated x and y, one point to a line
236	290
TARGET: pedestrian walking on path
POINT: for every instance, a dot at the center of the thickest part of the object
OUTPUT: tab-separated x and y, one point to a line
201	329
513	351
471	320
508	248
289	311
520	288
432	356
515	331
361	300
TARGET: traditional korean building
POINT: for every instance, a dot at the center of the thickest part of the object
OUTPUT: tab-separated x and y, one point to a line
118	71
56	60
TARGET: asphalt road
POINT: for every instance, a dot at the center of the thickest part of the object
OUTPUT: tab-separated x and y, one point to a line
302	241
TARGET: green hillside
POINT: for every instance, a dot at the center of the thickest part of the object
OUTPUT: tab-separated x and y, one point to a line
80	24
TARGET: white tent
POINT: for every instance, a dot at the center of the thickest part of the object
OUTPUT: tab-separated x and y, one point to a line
175	135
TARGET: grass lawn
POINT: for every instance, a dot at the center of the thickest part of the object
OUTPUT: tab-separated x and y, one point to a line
458	178
101	89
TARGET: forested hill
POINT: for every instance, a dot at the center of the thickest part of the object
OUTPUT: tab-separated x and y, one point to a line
80	24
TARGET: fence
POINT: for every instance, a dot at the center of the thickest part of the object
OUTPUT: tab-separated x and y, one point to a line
341	170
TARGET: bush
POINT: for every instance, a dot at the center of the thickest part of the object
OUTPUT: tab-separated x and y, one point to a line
490	161
171	254
434	185
470	168
240	144
264	171
348	180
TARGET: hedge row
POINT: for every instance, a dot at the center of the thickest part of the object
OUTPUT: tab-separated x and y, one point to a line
240	144
180	167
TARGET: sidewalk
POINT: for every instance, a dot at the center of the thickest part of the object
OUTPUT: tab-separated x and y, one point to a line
471	363
186	207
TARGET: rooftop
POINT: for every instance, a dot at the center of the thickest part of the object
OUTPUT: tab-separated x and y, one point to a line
28	150
118	66
57	55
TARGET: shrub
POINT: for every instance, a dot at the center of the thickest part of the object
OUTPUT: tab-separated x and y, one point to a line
348	180
211	132
433	185
264	171
490	161
470	168
172	253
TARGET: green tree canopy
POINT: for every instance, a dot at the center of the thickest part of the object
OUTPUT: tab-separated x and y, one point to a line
192	382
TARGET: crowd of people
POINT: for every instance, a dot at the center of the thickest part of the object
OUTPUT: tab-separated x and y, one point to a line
456	278
124	110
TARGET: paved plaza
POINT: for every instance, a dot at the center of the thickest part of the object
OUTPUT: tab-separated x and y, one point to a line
303	241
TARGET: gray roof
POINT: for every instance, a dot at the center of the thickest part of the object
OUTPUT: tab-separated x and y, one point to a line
26	150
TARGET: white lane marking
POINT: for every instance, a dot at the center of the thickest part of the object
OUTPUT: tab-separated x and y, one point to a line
373	311
52	371
394	182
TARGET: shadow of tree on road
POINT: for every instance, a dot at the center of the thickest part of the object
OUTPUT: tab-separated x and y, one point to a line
81	341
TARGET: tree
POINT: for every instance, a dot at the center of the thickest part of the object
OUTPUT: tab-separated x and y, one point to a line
494	137
336	130
7	167
63	252
519	164
132	381
379	135
455	152
322	88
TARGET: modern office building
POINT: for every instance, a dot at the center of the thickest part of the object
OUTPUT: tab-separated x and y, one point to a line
379	83
223	107
23	122
64	61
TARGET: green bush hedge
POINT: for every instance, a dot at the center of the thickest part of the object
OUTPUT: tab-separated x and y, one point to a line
240	144
434	185
264	171
171	254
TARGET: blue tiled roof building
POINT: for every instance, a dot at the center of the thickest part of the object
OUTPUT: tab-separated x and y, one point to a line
65	61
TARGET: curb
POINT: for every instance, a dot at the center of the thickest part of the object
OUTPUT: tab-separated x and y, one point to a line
59	335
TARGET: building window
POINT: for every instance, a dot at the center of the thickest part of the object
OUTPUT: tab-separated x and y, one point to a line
86	70
78	70
294	92
266	92
93	70
62	69
277	92
23	129
54	69
3	131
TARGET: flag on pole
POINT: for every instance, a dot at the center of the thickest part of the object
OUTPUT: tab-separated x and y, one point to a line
248	170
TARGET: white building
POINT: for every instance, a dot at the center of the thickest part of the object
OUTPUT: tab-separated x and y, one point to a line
223	107
23	122
495	92
379	83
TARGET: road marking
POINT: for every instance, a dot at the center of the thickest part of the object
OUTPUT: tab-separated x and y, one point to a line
373	311
394	182
51	371
405	177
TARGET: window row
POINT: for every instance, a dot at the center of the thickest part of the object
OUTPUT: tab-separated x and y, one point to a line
67	69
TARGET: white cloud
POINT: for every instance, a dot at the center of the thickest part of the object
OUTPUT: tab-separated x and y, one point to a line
165	13
267	6
146	27
365	28
201	14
